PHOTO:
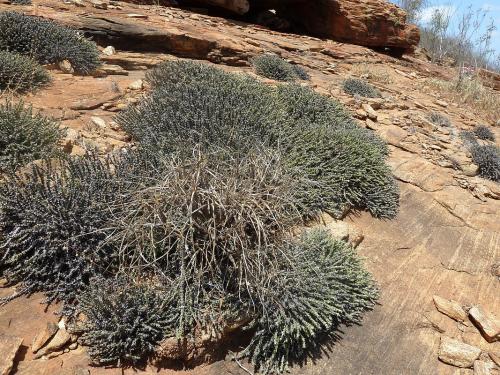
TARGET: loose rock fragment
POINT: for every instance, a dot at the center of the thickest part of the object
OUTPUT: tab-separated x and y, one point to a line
487	324
457	353
61	338
109	51
43	336
450	308
483	368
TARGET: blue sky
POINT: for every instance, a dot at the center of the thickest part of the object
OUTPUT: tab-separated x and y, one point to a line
458	7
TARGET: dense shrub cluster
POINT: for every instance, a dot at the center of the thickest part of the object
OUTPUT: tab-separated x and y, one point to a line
274	67
47	42
483	132
294	320
21	74
354	86
52	219
195	104
25	136
123	321
487	158
200	219
20	2
439	119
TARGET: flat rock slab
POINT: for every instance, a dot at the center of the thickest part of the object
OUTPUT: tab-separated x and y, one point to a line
456	353
9	345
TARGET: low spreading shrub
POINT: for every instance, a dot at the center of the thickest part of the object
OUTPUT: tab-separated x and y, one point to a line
274	67
324	286
47	42
20	2
192	104
354	86
484	133
52	221
487	158
123	321
439	119
21	74
25	136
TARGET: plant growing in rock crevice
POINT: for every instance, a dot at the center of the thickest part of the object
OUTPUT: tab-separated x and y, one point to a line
487	158
47	42
483	132
354	86
25	136
274	67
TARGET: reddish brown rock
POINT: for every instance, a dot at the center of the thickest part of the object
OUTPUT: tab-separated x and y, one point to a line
9	345
372	23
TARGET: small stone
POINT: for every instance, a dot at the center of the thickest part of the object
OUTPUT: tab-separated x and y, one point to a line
113	70
9	345
135	15
61	338
370	111
457	353
450	308
487	324
442	103
370	124
73	346
43	336
98	4
483	368
109	51
419	105
53	354
66	67
470	170
361	114
99	122
136	85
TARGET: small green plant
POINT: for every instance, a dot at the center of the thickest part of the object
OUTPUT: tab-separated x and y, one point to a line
20	2
354	86
123	321
324	286
25	136
47	42
21	74
274	67
483	132
487	158
439	119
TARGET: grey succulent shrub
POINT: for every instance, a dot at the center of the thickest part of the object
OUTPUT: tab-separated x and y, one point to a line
487	158
484	133
193	103
124	321
25	136
47	42
325	285
439	119
21	74
354	86
21	2
53	218
274	67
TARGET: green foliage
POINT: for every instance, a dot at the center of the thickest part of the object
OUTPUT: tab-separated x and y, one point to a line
439	119
20	2
324	285
123	321
25	136
347	172
47	42
483	132
487	158
354	86
52	221
21	74
195	104
274	67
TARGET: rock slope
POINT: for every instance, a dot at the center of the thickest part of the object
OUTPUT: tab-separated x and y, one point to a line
445	242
